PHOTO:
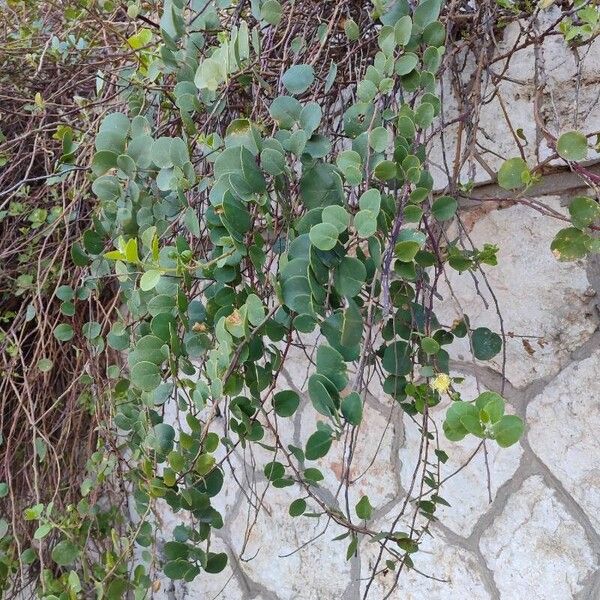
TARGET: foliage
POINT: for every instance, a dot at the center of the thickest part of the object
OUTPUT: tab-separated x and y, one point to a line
248	201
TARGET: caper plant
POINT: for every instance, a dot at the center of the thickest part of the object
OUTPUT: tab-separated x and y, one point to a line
260	194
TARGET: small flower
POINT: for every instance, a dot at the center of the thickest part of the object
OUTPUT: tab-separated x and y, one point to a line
441	383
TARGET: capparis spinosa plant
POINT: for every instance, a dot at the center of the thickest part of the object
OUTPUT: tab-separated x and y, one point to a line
257	193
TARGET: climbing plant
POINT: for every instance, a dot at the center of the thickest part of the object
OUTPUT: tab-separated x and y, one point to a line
261	188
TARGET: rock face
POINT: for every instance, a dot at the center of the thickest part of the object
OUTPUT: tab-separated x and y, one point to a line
465	508
545	305
524	522
560	420
535	546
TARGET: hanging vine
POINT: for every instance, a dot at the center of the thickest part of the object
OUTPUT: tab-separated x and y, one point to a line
260	184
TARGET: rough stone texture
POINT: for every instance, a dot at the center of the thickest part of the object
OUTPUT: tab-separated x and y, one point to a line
465	508
538	536
560	419
536	547
545	304
457	567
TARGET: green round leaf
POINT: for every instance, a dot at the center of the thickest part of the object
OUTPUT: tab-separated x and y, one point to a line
491	406
310	117
161	438
216	562
44	365
365	222
298	79
286	403
508	430
409	244
366	90
385	170
396	359
320	391
149	280
510	175
65	292
351	30
270	11
387	40
91	329
92	241
65	553
274	470
429	345
161	152
364	510
426	12
323	236
406	127
570	244
406	63
297	507
572	146
378	139
486	343
312	474
412	214
116	122
336	216
305	323
145	375
103	161
352	408
149	348
350	276
318	445
285	111
457	414
180	569
255	310
272	161
63	332
108	189
584	211
424	115
370	200
444	208
330	363
432	58
403	30
434	34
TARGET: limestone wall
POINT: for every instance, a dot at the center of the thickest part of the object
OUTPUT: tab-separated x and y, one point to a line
524	522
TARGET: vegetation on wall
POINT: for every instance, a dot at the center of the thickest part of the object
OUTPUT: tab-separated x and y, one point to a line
191	190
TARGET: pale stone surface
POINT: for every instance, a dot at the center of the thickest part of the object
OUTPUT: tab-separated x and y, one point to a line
307	571
494	146
536	547
373	466
224	586
560	421
567	107
457	568
509	103
545	304
465	508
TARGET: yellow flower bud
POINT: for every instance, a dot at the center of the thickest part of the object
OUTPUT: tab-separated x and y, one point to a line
441	383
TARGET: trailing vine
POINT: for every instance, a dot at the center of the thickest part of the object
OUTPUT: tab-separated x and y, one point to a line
263	185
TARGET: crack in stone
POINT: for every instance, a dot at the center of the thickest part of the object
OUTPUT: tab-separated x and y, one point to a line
574	509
